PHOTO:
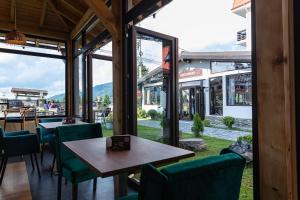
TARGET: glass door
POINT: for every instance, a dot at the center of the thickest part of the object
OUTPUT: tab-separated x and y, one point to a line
154	85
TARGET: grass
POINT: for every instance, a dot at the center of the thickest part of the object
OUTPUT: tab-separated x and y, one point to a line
214	146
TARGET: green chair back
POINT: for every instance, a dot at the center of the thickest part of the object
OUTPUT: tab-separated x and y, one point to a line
72	133
1	133
212	178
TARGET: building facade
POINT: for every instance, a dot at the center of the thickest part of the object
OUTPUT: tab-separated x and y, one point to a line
210	83
242	8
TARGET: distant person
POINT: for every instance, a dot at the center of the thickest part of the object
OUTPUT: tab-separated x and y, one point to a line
47	105
53	105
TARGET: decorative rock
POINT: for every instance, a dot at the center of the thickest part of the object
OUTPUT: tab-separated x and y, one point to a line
244	149
192	144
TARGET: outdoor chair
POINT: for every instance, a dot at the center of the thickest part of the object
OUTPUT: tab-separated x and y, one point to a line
18	143
47	136
10	117
68	165
211	178
29	114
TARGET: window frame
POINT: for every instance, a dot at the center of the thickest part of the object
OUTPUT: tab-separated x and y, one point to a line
227	77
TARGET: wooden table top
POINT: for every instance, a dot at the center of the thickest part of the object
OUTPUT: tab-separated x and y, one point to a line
107	163
52	125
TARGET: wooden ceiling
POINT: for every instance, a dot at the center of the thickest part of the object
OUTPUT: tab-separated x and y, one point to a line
55	19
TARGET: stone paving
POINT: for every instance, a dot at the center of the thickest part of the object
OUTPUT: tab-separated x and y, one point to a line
185	126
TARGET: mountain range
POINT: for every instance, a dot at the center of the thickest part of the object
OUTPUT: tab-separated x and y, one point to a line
98	90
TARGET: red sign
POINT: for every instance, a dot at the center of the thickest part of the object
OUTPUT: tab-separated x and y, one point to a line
166	58
191	73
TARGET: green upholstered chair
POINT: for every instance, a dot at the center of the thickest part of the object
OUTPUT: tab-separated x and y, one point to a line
17	144
68	165
46	136
211	178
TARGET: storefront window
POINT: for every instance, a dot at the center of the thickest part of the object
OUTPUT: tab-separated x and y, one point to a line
217	66
152	95
216	96
239	90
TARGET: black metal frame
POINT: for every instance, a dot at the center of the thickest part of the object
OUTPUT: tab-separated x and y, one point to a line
296	5
132	85
255	135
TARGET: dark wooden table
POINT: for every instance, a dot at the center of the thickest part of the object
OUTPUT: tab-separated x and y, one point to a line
108	163
52	125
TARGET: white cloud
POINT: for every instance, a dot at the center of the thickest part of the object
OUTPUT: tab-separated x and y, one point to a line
197	23
102	71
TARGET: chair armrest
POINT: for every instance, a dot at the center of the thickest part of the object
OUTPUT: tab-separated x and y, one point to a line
16	133
20	145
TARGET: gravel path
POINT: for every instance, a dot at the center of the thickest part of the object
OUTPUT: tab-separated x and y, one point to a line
185	126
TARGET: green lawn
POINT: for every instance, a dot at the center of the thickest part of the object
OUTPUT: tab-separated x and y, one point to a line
214	146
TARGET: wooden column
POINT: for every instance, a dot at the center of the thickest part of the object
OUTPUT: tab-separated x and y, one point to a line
118	69
275	96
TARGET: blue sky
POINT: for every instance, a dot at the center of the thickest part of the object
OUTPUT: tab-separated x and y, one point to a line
200	25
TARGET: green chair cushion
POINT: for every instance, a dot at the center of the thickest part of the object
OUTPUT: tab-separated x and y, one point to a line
76	171
130	197
212	178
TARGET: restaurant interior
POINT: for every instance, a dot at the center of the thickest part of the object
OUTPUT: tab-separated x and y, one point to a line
64	154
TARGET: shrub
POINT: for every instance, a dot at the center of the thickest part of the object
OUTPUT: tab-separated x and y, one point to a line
228	121
206	122
159	115
109	118
164	122
142	113
152	114
197	125
247	138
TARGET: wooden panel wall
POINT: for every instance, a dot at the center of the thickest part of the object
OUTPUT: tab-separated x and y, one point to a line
275	95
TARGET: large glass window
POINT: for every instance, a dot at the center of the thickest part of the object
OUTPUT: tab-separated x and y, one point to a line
152	95
103	94
220	66
239	90
216	96
31	81
78	85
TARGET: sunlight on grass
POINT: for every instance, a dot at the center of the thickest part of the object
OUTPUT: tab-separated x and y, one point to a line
214	146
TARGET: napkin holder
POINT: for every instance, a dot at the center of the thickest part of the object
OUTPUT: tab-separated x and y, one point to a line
118	143
69	120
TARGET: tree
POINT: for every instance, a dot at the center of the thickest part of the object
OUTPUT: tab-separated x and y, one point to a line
106	100
99	102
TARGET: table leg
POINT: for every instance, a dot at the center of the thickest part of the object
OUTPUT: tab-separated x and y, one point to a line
120	183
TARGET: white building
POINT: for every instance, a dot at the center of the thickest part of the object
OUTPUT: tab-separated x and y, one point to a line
243	9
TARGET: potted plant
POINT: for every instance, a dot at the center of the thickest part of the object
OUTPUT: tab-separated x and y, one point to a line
198	127
109	121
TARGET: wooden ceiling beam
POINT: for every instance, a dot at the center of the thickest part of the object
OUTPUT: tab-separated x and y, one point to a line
72	7
43	13
33	29
88	15
104	14
57	13
12	10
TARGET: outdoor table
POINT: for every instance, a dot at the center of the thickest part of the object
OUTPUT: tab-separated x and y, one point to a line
106	162
49	126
